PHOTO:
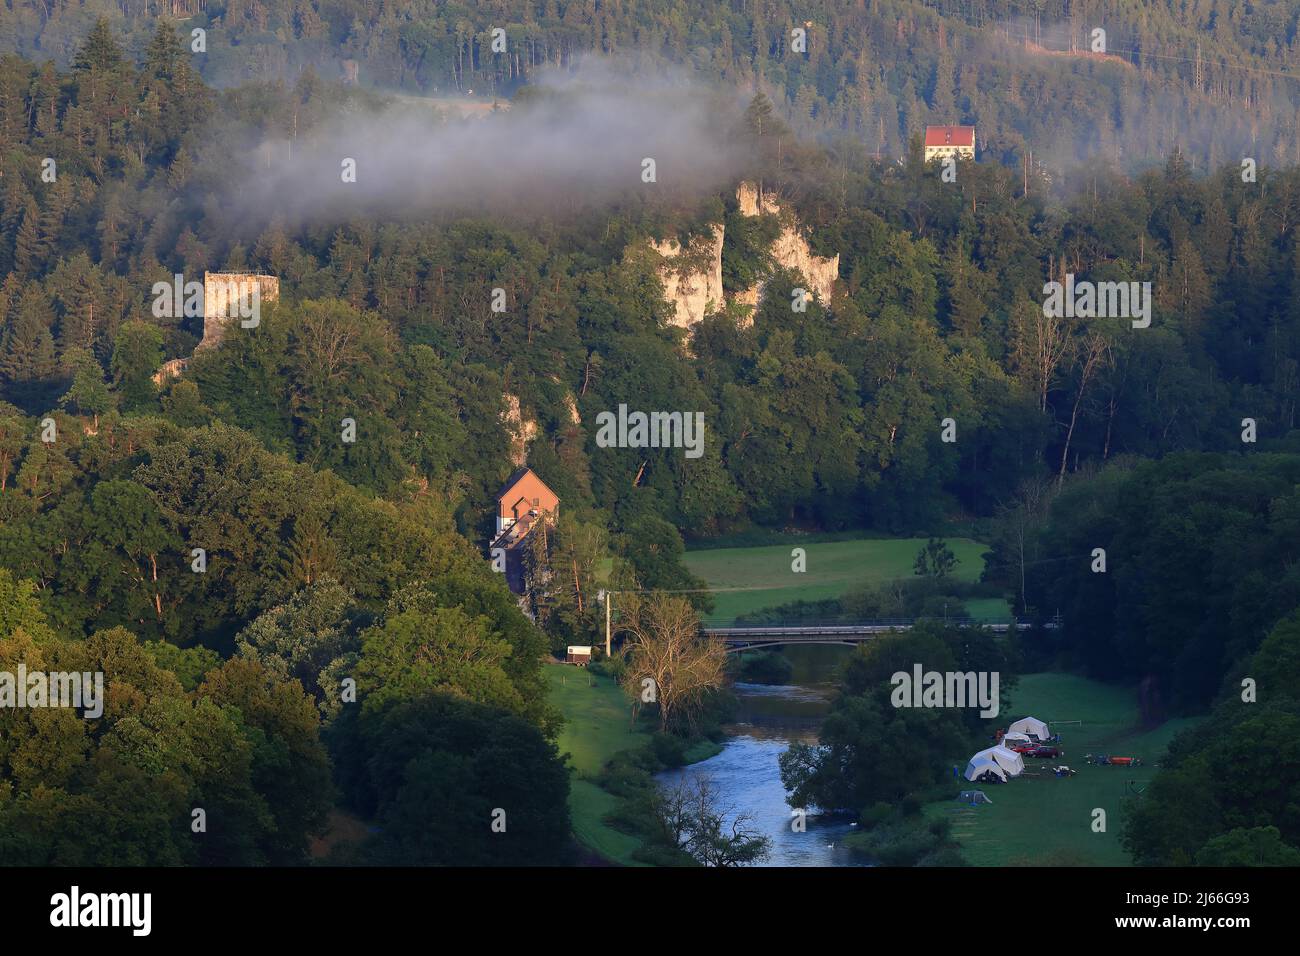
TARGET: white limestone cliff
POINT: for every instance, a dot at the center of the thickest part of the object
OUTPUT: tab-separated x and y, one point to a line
693	291
790	250
692	277
520	430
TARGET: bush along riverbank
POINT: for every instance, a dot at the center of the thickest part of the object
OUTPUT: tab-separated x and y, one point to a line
882	761
761	667
668	827
898	835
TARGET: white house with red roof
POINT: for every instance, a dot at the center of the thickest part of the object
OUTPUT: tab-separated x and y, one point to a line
949	142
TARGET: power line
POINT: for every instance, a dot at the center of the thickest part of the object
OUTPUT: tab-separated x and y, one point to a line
1194	60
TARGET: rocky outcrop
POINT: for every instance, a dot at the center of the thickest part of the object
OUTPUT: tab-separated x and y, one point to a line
520	430
170	370
692	276
790	250
692	283
570	401
753	202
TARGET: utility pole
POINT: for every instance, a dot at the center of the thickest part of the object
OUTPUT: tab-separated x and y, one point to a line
609	599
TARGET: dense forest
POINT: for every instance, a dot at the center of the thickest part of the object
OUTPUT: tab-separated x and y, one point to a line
1208	76
938	317
324	560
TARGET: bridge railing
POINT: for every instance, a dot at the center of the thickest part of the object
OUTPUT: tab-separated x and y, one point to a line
874	622
878	624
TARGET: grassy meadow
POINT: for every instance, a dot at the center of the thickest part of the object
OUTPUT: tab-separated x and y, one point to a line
752	578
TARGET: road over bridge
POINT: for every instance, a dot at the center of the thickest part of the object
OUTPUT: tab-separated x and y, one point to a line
746	637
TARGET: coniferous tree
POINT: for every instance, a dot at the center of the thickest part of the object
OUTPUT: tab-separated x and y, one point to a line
27	350
137	353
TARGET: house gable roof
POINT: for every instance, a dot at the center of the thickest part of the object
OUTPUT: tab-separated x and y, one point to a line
516	476
950	136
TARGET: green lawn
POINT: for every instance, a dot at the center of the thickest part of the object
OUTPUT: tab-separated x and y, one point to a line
596	718
1040	819
749	579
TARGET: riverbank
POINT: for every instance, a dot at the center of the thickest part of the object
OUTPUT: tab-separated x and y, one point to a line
597	728
1036	819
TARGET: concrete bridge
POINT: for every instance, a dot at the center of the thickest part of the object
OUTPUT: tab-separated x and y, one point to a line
747	637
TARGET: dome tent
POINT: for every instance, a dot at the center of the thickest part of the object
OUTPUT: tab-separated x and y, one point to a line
1031	726
1008	760
1010	740
980	765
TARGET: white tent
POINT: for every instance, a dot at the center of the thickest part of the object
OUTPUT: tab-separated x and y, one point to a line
1010	740
981	764
1008	760
1032	726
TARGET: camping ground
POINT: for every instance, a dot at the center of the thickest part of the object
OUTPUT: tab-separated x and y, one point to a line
749	579
1040	819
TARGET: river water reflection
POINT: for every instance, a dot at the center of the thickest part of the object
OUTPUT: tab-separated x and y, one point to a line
747	775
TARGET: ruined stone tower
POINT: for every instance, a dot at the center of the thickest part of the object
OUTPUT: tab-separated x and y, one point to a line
227	297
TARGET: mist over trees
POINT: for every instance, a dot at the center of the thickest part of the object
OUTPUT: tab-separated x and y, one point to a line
324	561
1210	77
826	416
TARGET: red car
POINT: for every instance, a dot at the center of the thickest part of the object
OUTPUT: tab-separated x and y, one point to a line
1043	750
1023	748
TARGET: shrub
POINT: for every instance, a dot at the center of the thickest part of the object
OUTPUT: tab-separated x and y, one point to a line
669	749
766	667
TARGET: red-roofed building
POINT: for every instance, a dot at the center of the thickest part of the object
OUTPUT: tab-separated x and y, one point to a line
942	142
524	496
524	504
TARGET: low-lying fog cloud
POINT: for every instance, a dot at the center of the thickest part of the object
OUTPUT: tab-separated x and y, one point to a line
577	142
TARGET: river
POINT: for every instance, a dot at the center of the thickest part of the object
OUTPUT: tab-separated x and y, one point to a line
746	773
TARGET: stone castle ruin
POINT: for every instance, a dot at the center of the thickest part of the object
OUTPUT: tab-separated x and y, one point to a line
229	297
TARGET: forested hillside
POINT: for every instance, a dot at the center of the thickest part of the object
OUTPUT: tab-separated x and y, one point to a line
938	314
215	542
1212	77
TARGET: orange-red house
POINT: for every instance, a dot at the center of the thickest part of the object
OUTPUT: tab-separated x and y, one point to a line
523	499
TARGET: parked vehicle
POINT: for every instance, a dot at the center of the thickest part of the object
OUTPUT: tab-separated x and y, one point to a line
1044	750
1108	761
